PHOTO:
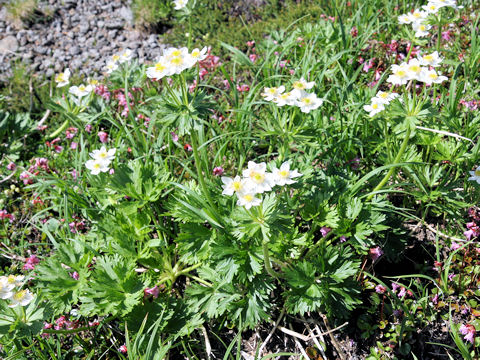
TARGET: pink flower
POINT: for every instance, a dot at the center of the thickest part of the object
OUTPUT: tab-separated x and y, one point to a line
380	289
192	87
375	253
174	136
435	299
74	174
11	166
73	145
343	239
73	228
103	136
368	65
111	171
203	73
218	171
88	128
31	262
454	246
469	332
226	83
447	35
25	176
75	275
71	132
151	292
253	57
395	287
123	349
325	230
402	292
251	43
354	32
187	147
243	88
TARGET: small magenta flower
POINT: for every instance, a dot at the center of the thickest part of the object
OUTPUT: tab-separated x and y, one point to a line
395	287
88	128
343	239
469	332
375	253
187	147
151	292
30	262
218	171
435	299
103	136
325	230
123	349
402	292
73	145
454	246
380	289
174	136
11	166
75	275
253	57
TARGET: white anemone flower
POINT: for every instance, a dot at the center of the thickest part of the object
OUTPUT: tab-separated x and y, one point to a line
271	93
125	56
443	3
235	185
432	59
199	55
178	60
404	19
432	77
22	297
431	8
103	154
111	67
63	78
248	200
259	180
288	98
6	288
475	175
417	16
399	74
285	176
421	30
414	69
383	97
159	70
180	4
374	108
97	166
302	85
308	102
81	90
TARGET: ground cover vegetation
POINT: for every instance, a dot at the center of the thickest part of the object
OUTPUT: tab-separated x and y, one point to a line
317	180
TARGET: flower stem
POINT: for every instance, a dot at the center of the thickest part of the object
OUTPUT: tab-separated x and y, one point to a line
397	159
198	166
266	259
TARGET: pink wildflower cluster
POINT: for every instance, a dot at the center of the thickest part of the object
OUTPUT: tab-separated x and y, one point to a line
471	104
54	144
402	293
473	229
33	170
468	331
76	225
5	215
122	101
31	262
102	91
153	292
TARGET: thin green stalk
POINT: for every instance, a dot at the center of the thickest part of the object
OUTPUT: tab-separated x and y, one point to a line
397	159
266	259
439	35
198	166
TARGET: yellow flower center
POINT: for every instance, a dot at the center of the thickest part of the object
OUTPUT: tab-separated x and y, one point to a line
237	185
422	27
176	53
415	68
257	177
401	73
298	85
160	67
96	166
81	88
20	295
433	76
93	82
383	95
417	15
307	101
103	154
477	172
195	53
177	61
272	90
375	106
60	77
248	197
428	57
115	57
284	173
11	279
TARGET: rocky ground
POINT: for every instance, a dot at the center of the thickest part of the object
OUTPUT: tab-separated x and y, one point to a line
79	34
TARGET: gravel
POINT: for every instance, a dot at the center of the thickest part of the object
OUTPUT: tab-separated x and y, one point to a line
81	35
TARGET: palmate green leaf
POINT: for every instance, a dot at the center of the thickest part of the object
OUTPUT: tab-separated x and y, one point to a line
194	242
56	281
324	282
114	288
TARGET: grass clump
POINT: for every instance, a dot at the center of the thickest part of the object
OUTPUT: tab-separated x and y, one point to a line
21	12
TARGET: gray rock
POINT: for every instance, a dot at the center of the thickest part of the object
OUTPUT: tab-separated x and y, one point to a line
8	44
114	25
126	14
74	50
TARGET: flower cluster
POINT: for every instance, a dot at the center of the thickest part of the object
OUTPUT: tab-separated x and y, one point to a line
296	97
10	290
101	160
180	4
124	56
418	17
468	331
174	61
420	69
63	78
256	180
379	101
